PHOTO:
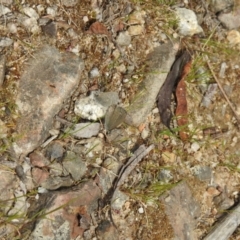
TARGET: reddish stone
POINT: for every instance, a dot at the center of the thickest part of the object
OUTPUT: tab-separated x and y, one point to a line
38	160
39	175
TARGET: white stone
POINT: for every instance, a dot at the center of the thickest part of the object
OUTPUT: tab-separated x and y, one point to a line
233	37
31	25
40	8
136	30
4	10
145	133
95	106
123	38
85	19
195	147
12	28
88	108
187	25
52	11
94	73
137	17
30	12
141	210
5	42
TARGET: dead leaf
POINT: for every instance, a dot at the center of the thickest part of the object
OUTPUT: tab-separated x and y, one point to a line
182	110
165	93
98	28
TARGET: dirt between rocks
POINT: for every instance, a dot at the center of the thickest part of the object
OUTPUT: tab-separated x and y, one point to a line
84	153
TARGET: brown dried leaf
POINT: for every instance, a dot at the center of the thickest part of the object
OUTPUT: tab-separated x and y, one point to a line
165	93
182	109
98	28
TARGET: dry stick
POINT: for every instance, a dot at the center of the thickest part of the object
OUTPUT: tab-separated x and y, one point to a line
224	229
223	92
140	153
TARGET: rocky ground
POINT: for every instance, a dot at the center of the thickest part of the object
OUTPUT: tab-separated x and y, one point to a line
84	151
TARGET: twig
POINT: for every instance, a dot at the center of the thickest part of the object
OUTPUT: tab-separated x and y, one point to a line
224	229
223	92
139	154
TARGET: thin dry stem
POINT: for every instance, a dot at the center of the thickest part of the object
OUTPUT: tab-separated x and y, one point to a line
223	92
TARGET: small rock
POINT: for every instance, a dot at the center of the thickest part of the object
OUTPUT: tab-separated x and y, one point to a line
121	68
115	115
4	10
137	17
72	34
30	24
8	183
54	151
210	93
136	30
203	173
220	5
39	176
74	166
27	180
108	174
95	106
5	42
188	25
233	37
105	230
223	69
212	191
53	183
141	210
118	137
230	20
8	231
50	29
40	8
94	73
169	157
84	130
12	27
69	3
56	169
165	176
118	200
145	133
123	39
20	206
195	147
94	146
52	11
3	130
37	159
30	12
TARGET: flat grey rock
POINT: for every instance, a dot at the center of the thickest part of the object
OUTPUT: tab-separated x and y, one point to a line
230	20
85	130
50	79
94	107
74	166
159	62
220	5
182	211
53	183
